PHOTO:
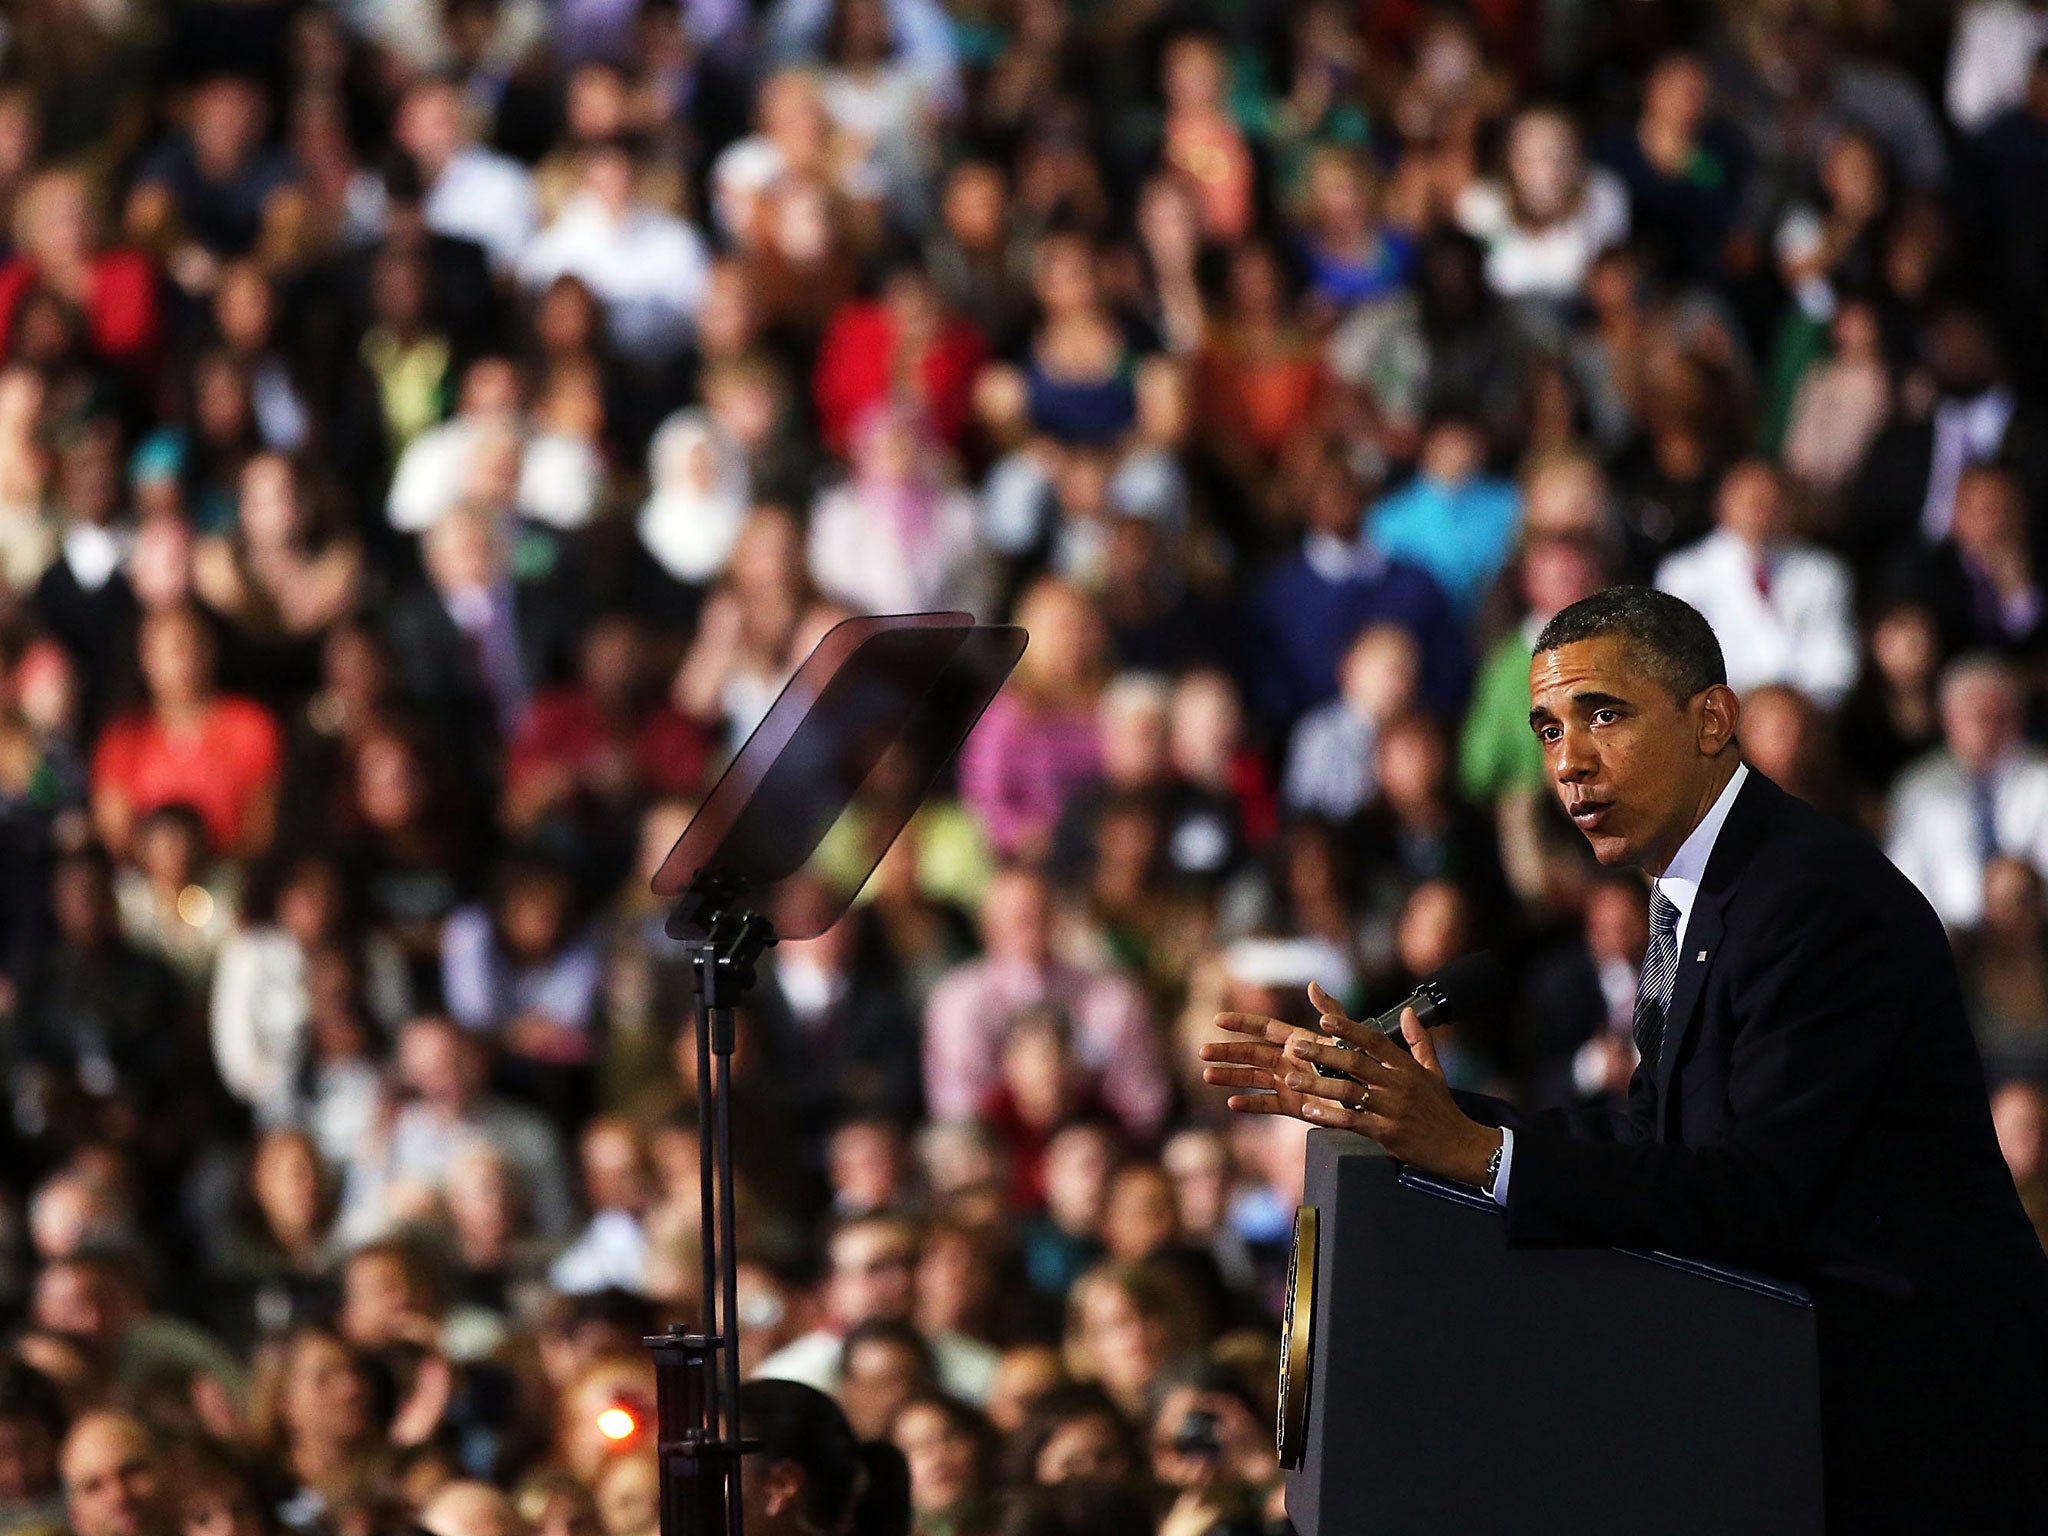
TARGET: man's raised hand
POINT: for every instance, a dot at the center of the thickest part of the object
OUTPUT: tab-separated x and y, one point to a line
1398	1099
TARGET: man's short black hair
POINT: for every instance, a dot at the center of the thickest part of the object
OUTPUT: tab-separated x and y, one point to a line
28	1396
895	1333
1665	636
797	1423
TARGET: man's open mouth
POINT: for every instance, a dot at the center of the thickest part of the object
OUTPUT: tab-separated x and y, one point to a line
1587	815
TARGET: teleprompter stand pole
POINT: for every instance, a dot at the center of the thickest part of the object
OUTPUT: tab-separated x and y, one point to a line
697	1375
902	688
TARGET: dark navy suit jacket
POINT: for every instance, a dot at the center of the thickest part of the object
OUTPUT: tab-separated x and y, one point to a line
1819	1112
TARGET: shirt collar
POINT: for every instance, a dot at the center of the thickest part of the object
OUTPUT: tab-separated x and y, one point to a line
1680	883
1333	559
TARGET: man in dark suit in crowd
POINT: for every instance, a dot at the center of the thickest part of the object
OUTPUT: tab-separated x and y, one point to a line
491	623
1578	1000
1810	1101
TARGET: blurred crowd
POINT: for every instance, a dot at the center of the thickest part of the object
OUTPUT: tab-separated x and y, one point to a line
431	431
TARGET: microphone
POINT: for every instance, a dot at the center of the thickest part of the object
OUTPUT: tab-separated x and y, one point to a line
1470	985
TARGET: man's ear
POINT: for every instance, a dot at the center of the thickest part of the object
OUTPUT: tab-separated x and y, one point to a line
785	1487
1719	713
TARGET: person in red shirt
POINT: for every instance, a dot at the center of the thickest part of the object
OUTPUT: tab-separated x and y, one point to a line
58	251
593	751
218	754
904	342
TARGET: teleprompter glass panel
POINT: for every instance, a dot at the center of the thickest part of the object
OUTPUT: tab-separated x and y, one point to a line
854	740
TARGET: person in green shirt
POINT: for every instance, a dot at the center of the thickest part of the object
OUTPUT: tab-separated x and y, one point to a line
1497	752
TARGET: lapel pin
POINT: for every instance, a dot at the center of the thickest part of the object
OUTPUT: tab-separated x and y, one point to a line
1701	955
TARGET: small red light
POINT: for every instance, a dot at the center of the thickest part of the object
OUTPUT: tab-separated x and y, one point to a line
617	1424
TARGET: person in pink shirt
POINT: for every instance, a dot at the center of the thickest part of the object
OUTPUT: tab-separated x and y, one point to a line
1040	741
1113	1033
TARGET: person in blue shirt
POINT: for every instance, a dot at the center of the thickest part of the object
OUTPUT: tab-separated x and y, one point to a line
1453	519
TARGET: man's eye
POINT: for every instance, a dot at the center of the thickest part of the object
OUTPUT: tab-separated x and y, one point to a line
1549	732
1604	717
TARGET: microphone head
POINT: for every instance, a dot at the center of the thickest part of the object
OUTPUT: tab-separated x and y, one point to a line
1472	986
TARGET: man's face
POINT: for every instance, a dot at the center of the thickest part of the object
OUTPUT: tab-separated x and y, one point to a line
1016	921
873	1268
879	1378
1981	719
376	1298
1749	505
1633	768
76	1299
111	1482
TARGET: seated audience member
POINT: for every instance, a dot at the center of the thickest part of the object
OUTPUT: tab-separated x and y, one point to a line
522	970
443	1069
1982	793
176	900
1125	1324
1892	717
1336	584
142	1357
59	252
1113	1033
1330	755
1780	607
905	333
1549	214
33	1421
2004	965
898	536
1041	1090
834	1024
97	1031
1498	755
645	265
882	1365
216	190
1982	580
809	1473
486	629
472	193
1453	519
115	1481
611	1250
1038	741
1063	1238
589	755
950	1449
219	754
1580	1000
871	1268
698	493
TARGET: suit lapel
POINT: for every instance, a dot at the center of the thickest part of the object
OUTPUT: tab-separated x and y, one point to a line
1738	838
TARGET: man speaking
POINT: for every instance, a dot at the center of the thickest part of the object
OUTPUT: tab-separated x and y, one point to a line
1809	1103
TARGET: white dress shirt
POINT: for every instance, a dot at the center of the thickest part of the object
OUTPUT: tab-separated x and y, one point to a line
1804	633
1934	837
649	269
485	197
1996	41
1680	884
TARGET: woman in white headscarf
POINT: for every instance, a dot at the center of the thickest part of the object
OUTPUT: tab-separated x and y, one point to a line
698	495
